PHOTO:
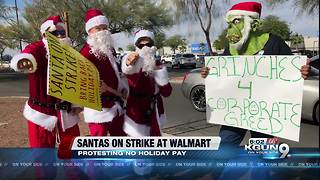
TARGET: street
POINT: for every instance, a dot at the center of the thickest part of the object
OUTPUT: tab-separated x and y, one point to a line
183	120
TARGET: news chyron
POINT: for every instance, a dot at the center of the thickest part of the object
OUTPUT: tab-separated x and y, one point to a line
141	147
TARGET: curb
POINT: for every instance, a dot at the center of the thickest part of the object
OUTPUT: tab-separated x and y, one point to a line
17	97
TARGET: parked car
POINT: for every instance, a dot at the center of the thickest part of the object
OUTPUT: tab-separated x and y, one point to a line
200	58
183	60
310	100
167	58
193	88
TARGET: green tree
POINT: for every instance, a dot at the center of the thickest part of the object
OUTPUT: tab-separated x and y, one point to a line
183	46
203	11
310	7
123	16
296	39
4	41
273	24
159	39
175	41
131	47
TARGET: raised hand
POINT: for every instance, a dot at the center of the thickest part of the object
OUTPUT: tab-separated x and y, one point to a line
25	65
132	58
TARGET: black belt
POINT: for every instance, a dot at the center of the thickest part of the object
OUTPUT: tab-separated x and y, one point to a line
112	98
58	106
142	95
148	112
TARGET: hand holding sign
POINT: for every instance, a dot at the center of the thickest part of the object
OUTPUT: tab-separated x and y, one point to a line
305	69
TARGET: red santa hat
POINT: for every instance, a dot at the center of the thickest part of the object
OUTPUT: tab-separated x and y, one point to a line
252	9
50	24
143	33
95	17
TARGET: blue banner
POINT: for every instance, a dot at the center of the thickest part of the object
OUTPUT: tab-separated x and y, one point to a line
198	48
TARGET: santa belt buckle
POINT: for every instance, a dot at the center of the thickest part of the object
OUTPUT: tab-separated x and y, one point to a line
62	106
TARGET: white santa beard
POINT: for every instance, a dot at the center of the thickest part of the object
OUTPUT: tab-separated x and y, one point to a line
147	54
245	34
101	44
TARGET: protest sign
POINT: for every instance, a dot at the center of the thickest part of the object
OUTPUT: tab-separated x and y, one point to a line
71	77
259	93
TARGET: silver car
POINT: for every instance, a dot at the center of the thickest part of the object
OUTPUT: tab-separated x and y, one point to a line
183	60
193	89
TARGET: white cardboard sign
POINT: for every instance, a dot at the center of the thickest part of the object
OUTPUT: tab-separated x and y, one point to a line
259	93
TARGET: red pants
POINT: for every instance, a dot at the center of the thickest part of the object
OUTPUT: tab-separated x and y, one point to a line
42	138
114	128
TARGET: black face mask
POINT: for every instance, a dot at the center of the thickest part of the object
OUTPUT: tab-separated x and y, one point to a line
57	33
140	46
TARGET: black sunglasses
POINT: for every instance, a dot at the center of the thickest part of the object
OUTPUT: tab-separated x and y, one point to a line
57	33
140	46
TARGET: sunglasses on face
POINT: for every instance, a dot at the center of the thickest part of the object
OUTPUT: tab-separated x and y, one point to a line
57	33
140	46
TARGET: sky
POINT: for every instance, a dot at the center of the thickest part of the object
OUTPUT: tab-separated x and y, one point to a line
302	24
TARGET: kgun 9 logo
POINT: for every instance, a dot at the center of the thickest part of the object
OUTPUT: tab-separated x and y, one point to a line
267	146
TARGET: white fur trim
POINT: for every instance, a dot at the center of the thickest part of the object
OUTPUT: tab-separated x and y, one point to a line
47	24
96	21
17	58
134	129
161	76
131	69
46	121
106	115
68	120
143	33
243	13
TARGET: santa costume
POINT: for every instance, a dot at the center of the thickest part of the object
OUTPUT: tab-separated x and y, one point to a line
145	112
110	119
46	115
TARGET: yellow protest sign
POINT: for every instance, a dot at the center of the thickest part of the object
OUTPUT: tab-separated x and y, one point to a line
72	77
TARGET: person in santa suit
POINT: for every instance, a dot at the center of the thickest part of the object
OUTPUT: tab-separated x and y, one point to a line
48	117
148	81
99	50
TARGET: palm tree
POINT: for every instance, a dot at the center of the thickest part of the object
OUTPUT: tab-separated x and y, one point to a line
310	7
296	39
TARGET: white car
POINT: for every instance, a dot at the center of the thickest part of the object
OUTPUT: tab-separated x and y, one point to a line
166	58
183	60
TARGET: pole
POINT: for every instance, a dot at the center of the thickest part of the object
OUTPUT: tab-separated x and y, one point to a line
66	20
17	16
